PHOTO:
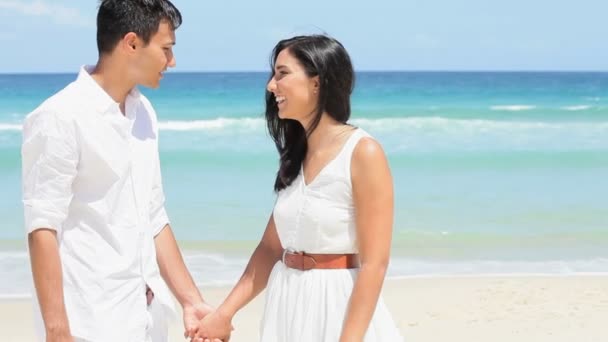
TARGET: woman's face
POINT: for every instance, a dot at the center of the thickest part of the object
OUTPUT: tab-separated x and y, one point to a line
296	93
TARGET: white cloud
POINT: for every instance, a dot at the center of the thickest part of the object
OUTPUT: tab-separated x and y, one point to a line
60	14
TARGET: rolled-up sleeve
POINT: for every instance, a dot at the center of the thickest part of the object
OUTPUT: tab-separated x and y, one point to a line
49	156
158	214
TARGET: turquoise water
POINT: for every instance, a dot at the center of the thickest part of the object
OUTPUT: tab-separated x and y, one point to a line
506	168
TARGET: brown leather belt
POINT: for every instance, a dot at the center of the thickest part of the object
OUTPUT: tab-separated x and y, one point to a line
303	261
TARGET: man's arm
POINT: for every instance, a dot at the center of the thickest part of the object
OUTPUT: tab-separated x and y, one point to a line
170	261
46	270
168	256
176	275
49	156
173	269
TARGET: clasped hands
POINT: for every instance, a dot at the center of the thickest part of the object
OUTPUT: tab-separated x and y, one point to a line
205	324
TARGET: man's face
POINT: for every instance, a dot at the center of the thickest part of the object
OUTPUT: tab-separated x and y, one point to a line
152	60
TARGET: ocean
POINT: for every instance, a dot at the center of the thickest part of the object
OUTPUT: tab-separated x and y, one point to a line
494	172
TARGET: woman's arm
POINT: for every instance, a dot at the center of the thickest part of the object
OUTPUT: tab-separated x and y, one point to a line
373	200
256	274
252	282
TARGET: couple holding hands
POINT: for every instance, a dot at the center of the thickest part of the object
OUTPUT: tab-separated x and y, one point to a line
104	258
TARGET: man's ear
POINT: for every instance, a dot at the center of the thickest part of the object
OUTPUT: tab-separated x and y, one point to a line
130	42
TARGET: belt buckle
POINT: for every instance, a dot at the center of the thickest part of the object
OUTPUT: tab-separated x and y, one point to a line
288	250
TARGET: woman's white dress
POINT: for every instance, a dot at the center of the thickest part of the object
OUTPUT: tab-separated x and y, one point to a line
318	218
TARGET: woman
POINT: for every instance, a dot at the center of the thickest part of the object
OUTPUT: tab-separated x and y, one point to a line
325	251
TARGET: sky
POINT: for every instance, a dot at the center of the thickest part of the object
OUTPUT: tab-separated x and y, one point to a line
238	35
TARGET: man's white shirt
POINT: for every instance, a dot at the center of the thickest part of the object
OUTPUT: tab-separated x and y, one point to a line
93	175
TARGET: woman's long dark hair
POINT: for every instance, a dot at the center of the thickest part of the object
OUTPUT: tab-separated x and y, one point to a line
326	58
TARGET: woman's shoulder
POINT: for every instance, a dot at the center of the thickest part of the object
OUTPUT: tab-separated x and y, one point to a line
367	148
368	155
366	145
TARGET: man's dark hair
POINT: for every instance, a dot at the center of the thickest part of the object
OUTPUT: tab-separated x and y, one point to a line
116	18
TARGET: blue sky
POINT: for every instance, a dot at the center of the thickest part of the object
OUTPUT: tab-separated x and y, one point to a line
237	35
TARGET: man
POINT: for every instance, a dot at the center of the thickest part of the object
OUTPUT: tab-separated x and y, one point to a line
98	234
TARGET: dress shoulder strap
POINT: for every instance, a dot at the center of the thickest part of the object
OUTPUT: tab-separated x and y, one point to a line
349	147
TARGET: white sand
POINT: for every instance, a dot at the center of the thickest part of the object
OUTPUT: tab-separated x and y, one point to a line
505	308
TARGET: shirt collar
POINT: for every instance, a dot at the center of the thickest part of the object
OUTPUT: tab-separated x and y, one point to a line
97	96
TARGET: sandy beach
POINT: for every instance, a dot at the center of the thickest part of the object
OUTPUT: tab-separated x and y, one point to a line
463	308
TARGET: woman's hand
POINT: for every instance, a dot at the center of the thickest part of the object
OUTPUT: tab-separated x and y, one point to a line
213	327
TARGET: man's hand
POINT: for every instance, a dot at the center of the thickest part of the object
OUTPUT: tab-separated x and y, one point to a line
149	295
216	325
192	316
59	335
48	280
